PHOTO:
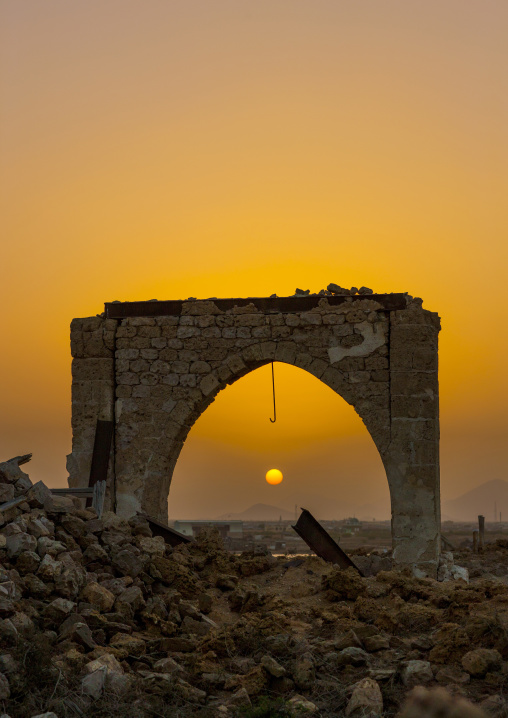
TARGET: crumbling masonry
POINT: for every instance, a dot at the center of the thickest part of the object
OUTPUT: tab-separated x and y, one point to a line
154	367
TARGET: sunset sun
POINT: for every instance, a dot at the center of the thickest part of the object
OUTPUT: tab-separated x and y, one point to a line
274	476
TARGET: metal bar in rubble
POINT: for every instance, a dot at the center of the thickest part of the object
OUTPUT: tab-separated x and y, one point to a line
101	452
170	536
320	541
95	494
481	529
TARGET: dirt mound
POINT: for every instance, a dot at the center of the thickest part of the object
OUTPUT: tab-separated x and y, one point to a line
99	617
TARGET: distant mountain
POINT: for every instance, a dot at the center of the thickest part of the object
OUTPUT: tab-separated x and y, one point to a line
260	512
480	500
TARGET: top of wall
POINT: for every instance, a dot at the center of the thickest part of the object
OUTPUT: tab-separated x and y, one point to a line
298	303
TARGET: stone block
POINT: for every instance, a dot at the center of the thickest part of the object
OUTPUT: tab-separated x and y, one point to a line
209	384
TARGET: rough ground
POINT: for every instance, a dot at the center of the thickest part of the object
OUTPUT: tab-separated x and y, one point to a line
98	618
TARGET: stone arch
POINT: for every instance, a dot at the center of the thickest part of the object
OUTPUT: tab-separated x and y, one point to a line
239	368
155	367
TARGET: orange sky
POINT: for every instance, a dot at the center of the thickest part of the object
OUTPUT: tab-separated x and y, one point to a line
233	148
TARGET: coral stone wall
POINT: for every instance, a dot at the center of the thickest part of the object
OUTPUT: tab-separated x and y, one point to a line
155	375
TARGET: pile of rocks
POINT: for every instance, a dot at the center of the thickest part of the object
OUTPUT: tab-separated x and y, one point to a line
96	613
332	289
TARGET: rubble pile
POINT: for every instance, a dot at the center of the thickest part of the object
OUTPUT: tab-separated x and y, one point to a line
98	617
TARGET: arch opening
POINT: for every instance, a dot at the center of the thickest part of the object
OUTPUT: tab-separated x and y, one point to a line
329	461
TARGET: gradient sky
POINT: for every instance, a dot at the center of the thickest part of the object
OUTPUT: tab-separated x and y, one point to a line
166	149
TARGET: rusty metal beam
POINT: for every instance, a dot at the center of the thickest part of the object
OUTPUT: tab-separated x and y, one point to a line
100	454
170	536
119	310
320	541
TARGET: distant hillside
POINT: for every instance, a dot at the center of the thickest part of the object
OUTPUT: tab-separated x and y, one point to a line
480	500
260	512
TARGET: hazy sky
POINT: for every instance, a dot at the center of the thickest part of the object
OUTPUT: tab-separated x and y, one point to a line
166	149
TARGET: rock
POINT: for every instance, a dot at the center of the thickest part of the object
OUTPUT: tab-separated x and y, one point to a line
70	581
19	542
346	584
49	569
93	684
415	673
240	698
366	699
107	661
40	527
35	586
132	598
73	525
254	681
46	545
197	628
22	623
10	471
49	714
226	583
57	611
94	553
39	496
28	562
459	573
8	664
304	672
160	684
80	633
382	674
353	657
6	493
347	640
376	643
438	703
205	602
272	666
127	562
8	632
127	645
166	665
302	706
481	661
449	643
98	596
336	289
152	546
365	290
5	690
452	674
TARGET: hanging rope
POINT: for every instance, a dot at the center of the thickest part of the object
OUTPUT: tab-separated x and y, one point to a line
274	409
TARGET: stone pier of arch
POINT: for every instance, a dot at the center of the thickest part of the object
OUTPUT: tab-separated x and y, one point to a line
154	367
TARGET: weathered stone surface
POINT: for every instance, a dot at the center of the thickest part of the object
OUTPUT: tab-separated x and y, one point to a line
5	691
20	542
415	673
366	699
273	667
481	661
98	596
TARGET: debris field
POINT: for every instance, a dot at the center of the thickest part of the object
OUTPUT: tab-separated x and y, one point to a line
100	618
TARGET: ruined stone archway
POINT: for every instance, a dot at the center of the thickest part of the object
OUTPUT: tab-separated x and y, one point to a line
154	367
